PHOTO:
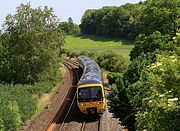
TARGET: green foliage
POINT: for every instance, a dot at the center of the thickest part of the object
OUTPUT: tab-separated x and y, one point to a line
139	64
69	27
12	111
64	27
114	77
32	45
162	16
151	43
111	61
120	106
70	22
119	102
158	114
152	96
112	21
87	26
147	95
76	29
98	22
130	20
29	49
26	103
107	60
160	107
2	128
121	97
177	43
19	102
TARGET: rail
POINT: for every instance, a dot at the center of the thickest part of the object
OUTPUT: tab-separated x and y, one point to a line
51	124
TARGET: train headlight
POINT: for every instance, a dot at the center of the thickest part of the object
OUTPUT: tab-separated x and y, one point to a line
98	103
83	104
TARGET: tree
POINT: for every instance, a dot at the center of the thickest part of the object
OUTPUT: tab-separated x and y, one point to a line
64	27
33	44
139	64
109	23
76	29
150	98
87	22
134	24
69	27
160	109
162	16
70	24
100	14
150	43
4	64
122	94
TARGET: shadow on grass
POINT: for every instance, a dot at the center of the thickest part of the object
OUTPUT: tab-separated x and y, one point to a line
124	41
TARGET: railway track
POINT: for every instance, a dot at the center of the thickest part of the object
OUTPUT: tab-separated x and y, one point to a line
80	124
55	116
92	125
69	96
67	116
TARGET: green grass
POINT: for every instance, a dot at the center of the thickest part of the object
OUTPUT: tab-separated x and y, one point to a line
77	43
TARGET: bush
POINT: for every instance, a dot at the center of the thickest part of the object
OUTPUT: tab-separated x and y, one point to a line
12	118
112	62
120	106
114	77
19	102
25	100
135	69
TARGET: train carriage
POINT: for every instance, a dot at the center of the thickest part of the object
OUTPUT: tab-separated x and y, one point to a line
90	90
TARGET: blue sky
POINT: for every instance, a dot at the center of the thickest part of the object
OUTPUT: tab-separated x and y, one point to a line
63	9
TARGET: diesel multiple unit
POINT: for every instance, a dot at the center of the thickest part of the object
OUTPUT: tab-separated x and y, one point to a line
90	90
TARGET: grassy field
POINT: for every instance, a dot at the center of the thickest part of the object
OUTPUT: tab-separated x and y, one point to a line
98	44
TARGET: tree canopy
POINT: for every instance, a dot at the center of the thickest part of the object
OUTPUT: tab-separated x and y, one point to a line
146	95
130	20
31	45
69	27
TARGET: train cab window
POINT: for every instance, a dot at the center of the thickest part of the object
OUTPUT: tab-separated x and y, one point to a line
96	92
90	93
84	93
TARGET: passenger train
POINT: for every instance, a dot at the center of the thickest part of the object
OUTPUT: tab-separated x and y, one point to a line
90	90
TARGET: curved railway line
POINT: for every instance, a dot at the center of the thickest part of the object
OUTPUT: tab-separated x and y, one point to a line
67	102
62	114
68	117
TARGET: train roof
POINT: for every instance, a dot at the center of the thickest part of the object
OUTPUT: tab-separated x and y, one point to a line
91	73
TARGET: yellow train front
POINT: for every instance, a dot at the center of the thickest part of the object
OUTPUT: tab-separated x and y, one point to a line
90	90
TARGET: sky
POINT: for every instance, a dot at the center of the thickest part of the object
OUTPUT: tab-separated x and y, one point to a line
63	9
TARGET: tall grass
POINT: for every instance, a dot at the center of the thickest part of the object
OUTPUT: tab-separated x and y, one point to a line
19	102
